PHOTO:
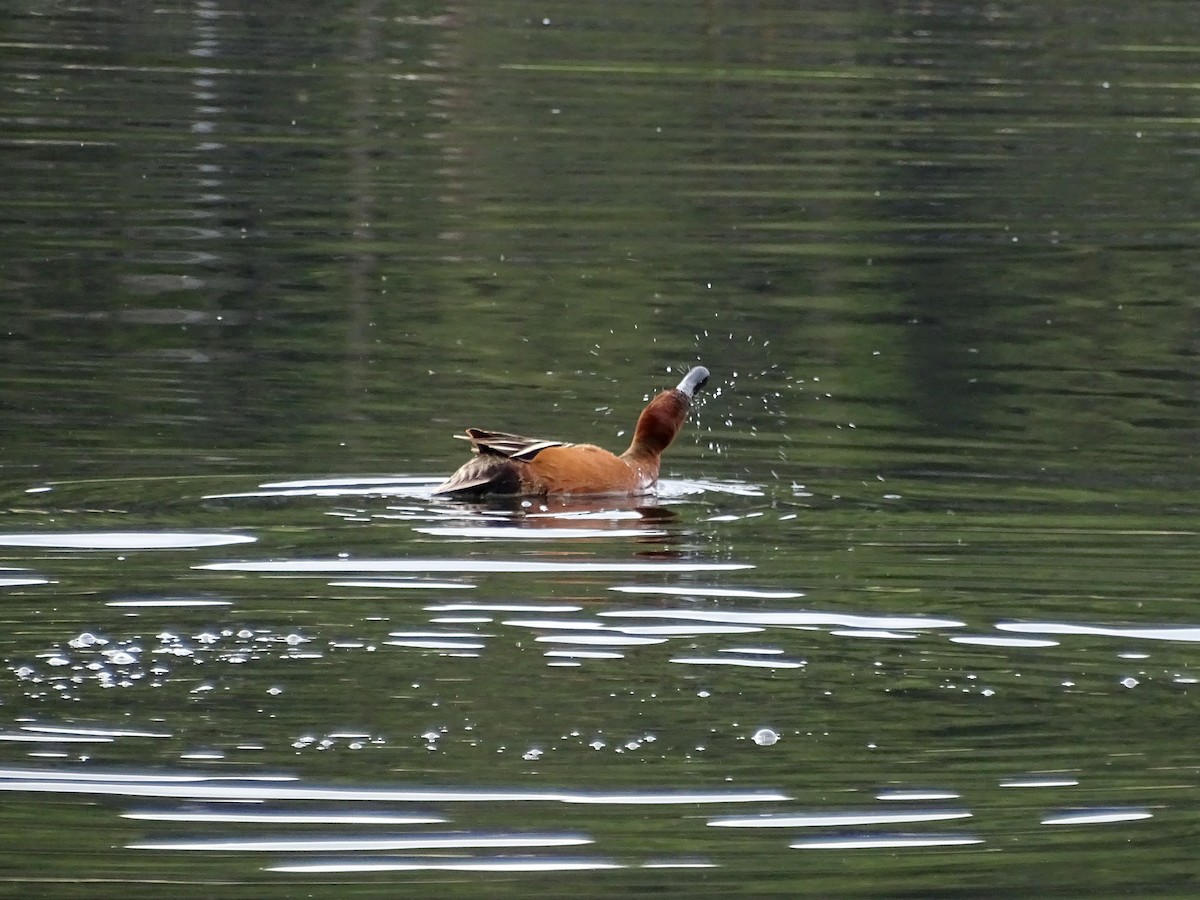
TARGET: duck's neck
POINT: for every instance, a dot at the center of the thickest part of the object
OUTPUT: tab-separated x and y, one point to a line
657	426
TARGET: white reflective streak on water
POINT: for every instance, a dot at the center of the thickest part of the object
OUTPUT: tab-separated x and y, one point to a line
369	844
320	566
197	787
839	819
885	842
1103	816
124	540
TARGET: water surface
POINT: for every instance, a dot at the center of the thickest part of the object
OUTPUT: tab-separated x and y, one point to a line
913	613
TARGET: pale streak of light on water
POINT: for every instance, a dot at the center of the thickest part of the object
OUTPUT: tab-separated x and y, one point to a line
440	865
323	566
503	607
165	603
1107	816
647	630
885	842
607	515
282	818
424	585
432	643
222	787
742	663
95	732
837	820
546	534
763	651
343	845
706	592
341	482
10	737
487	865
123	540
983	640
877	633
599	640
791	619
23	582
1186	634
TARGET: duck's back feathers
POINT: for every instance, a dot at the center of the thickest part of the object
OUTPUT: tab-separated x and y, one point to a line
501	443
500	464
510	464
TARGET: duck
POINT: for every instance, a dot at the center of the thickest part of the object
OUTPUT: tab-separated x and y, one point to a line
509	464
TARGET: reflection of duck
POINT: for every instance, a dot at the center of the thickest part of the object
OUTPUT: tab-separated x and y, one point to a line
510	464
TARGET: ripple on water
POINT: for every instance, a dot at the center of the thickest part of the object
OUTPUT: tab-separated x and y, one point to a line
123	540
247	788
690	591
1186	634
20	580
839	819
503	607
440	864
793	618
456	841
412	584
774	663
501	533
1039	782
167	603
1098	816
987	640
323	566
908	796
886	842
375	486
591	639
432	640
281	817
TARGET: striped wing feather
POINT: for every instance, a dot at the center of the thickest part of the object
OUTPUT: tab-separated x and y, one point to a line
501	443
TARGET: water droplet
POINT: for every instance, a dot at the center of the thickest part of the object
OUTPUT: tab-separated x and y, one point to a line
764	737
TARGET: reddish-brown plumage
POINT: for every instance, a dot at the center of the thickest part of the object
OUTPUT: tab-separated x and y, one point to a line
511	464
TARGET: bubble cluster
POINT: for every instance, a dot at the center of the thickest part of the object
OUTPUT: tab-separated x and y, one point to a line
90	660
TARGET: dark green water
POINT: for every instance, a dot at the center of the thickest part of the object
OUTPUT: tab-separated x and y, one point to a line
915	613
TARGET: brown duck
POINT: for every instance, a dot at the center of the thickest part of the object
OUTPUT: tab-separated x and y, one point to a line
511	464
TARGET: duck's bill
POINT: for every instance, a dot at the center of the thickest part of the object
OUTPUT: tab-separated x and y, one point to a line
693	381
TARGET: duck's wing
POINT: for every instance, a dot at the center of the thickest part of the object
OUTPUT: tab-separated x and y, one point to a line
498	466
510	446
484	474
